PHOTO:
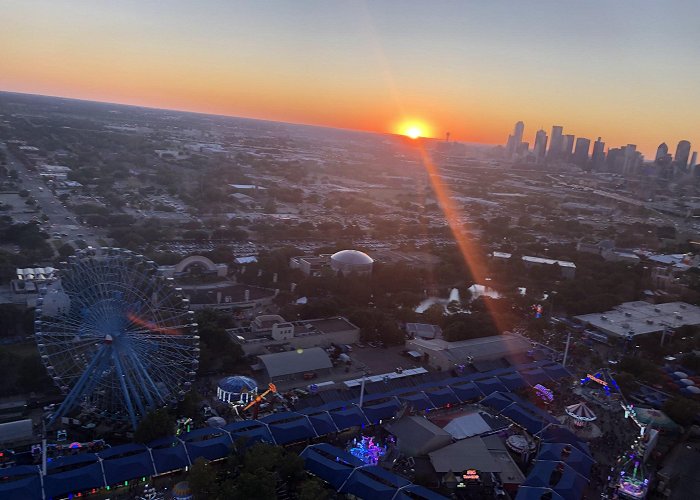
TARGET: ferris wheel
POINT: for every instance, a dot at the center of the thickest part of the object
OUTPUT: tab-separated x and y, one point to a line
116	338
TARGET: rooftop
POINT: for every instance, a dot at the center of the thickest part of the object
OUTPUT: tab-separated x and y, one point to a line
465	454
640	318
302	328
484	348
298	361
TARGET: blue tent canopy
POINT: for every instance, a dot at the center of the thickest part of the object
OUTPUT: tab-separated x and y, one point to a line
373	482
513	381
65	475
122	450
329	463
381	411
118	470
322	423
209	443
524	419
24	483
250	429
70	461
466	391
417	492
556	371
536	376
333	405
489	385
570	485
281	416
536	411
497	401
418	401
536	493
292	431
168	454
351	416
574	458
442	397
558	434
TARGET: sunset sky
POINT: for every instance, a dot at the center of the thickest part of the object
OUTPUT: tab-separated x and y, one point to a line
626	70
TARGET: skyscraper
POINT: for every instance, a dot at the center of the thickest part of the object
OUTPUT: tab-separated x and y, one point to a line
540	145
632	159
598	157
661	151
693	160
555	144
581	151
567	146
515	140
518	132
682	153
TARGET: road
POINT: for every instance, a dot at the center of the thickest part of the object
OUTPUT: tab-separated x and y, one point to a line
60	219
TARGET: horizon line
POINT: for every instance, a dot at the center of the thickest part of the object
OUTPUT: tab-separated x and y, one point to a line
202	113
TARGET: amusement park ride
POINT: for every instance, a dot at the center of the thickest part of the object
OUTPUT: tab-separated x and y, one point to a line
628	476
255	403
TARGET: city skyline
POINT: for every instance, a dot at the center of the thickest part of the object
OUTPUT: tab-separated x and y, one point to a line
369	66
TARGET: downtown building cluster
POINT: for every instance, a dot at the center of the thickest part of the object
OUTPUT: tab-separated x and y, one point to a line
566	148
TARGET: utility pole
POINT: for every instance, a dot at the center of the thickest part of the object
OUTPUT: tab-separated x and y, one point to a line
362	388
43	446
566	349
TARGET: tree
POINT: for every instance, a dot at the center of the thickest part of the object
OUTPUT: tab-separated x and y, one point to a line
682	410
156	424
312	489
189	406
434	314
202	479
66	250
260	484
263	456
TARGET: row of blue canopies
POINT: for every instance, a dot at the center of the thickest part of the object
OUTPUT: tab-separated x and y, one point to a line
114	466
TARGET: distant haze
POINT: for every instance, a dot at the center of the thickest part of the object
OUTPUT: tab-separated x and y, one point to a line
626	70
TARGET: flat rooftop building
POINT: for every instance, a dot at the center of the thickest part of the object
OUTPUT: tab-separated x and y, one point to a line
642	318
271	332
293	364
446	355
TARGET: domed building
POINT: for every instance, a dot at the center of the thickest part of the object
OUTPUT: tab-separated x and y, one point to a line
351	261
237	390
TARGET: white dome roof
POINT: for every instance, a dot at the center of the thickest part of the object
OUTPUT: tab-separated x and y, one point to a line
352	258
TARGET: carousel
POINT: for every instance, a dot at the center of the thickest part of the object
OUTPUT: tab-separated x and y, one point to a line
579	418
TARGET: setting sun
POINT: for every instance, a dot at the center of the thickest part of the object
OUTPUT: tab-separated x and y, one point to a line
413	132
413	129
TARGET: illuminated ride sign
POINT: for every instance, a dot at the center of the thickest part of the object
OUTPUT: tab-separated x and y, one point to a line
596	379
471	475
545	394
468	476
